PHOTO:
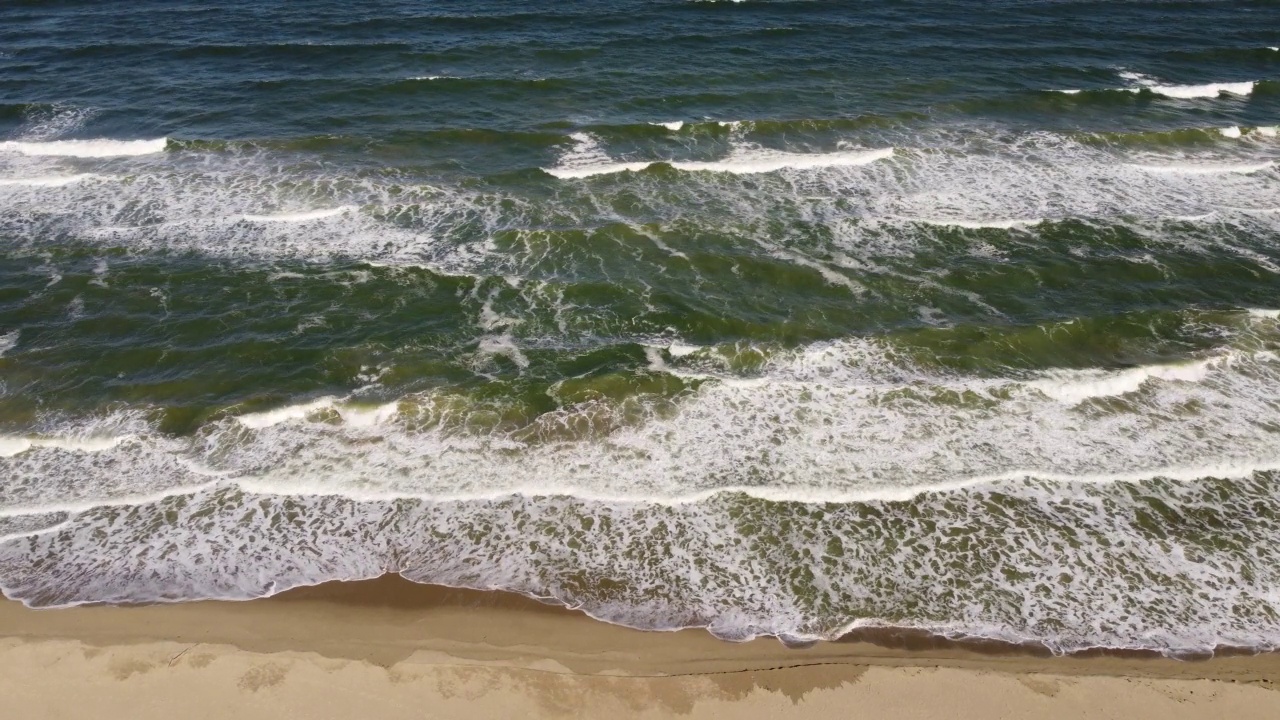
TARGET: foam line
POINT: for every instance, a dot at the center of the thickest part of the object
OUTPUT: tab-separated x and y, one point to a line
591	170
1079	385
46	181
978	224
120	501
266	487
11	445
86	148
1208	90
742	163
304	216
1207	169
267	418
764	161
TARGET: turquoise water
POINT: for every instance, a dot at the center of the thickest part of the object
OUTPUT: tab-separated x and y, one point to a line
774	318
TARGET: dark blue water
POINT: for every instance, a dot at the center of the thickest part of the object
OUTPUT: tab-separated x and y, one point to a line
766	317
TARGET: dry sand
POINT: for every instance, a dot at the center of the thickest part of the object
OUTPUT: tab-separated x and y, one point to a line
391	649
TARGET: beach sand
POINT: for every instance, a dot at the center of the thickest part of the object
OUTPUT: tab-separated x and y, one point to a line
388	648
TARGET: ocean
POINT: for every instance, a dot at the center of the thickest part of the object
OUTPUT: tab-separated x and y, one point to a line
772	318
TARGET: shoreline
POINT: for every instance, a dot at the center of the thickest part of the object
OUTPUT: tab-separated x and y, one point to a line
379	630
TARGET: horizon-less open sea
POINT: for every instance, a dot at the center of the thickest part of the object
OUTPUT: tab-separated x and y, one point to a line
773	318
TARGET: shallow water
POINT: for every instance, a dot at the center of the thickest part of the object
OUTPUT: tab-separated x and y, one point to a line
770	317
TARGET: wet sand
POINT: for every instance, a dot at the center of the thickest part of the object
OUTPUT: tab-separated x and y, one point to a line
388	648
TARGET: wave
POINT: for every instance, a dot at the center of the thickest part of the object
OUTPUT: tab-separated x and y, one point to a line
1208	90
736	566
587	159
12	445
1076	386
48	181
746	162
302	216
1208	168
759	500
968	224
582	171
86	148
228	200
672	126
819	407
1145	84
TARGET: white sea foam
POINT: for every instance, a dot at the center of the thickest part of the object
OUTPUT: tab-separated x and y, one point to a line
1268	313
760	160
1199	217
672	126
86	148
267	418
845	412
1208	90
505	345
590	170
47	181
1079	385
368	416
1230	132
8	341
11	445
1266	131
660	498
965	177
1197	168
587	159
302	216
1185	92
975	224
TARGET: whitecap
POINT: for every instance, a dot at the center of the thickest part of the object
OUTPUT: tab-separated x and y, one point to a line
742	162
590	170
11	445
1075	386
303	216
746	162
86	148
1208	90
267	418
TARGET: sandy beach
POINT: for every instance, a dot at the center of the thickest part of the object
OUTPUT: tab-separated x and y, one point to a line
388	648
